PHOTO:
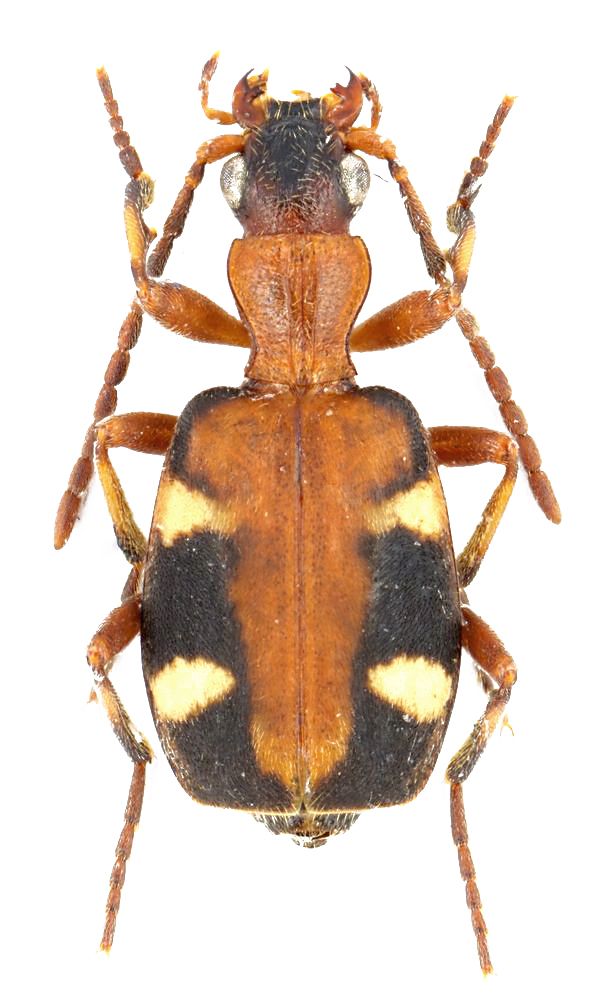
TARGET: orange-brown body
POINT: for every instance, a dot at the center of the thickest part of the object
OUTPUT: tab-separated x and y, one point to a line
299	295
300	618
271	507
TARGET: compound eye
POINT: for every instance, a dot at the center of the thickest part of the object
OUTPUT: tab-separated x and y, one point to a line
233	180
355	179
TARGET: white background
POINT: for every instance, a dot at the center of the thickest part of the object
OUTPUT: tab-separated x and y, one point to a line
214	906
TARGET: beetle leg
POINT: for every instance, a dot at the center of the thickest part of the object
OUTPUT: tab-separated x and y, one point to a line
459	216
415	316
367	140
461	221
174	306
116	632
81	474
463	446
421	313
409	319
191	314
460	836
133	811
494	661
492	658
204	316
179	308
149	433
133	587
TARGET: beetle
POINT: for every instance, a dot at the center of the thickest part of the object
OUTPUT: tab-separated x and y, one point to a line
300	607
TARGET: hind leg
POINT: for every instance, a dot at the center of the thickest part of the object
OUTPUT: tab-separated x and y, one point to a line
115	633
499	674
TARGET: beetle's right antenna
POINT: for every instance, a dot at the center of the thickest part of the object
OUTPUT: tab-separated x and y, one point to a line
461	222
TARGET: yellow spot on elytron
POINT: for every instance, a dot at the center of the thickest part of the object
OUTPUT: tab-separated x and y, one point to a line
184	688
414	684
422	509
181	511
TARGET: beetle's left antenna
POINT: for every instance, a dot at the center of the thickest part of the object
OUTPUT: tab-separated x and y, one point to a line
129	333
208	152
79	480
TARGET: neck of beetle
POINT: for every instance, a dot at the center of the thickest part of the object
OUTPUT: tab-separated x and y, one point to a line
299	295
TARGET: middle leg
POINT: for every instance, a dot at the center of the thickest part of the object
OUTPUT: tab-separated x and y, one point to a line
415	316
150	433
184	311
463	446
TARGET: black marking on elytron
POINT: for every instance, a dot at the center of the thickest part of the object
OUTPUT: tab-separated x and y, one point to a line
186	609
421	461
389	759
213	758
186	612
413	608
414	611
200	406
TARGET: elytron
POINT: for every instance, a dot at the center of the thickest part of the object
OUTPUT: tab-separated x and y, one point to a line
300	607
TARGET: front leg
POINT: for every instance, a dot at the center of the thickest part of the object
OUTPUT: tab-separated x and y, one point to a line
206	321
181	309
190	314
407	320
460	219
422	313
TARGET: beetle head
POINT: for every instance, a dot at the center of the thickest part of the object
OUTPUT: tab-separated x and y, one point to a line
295	174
